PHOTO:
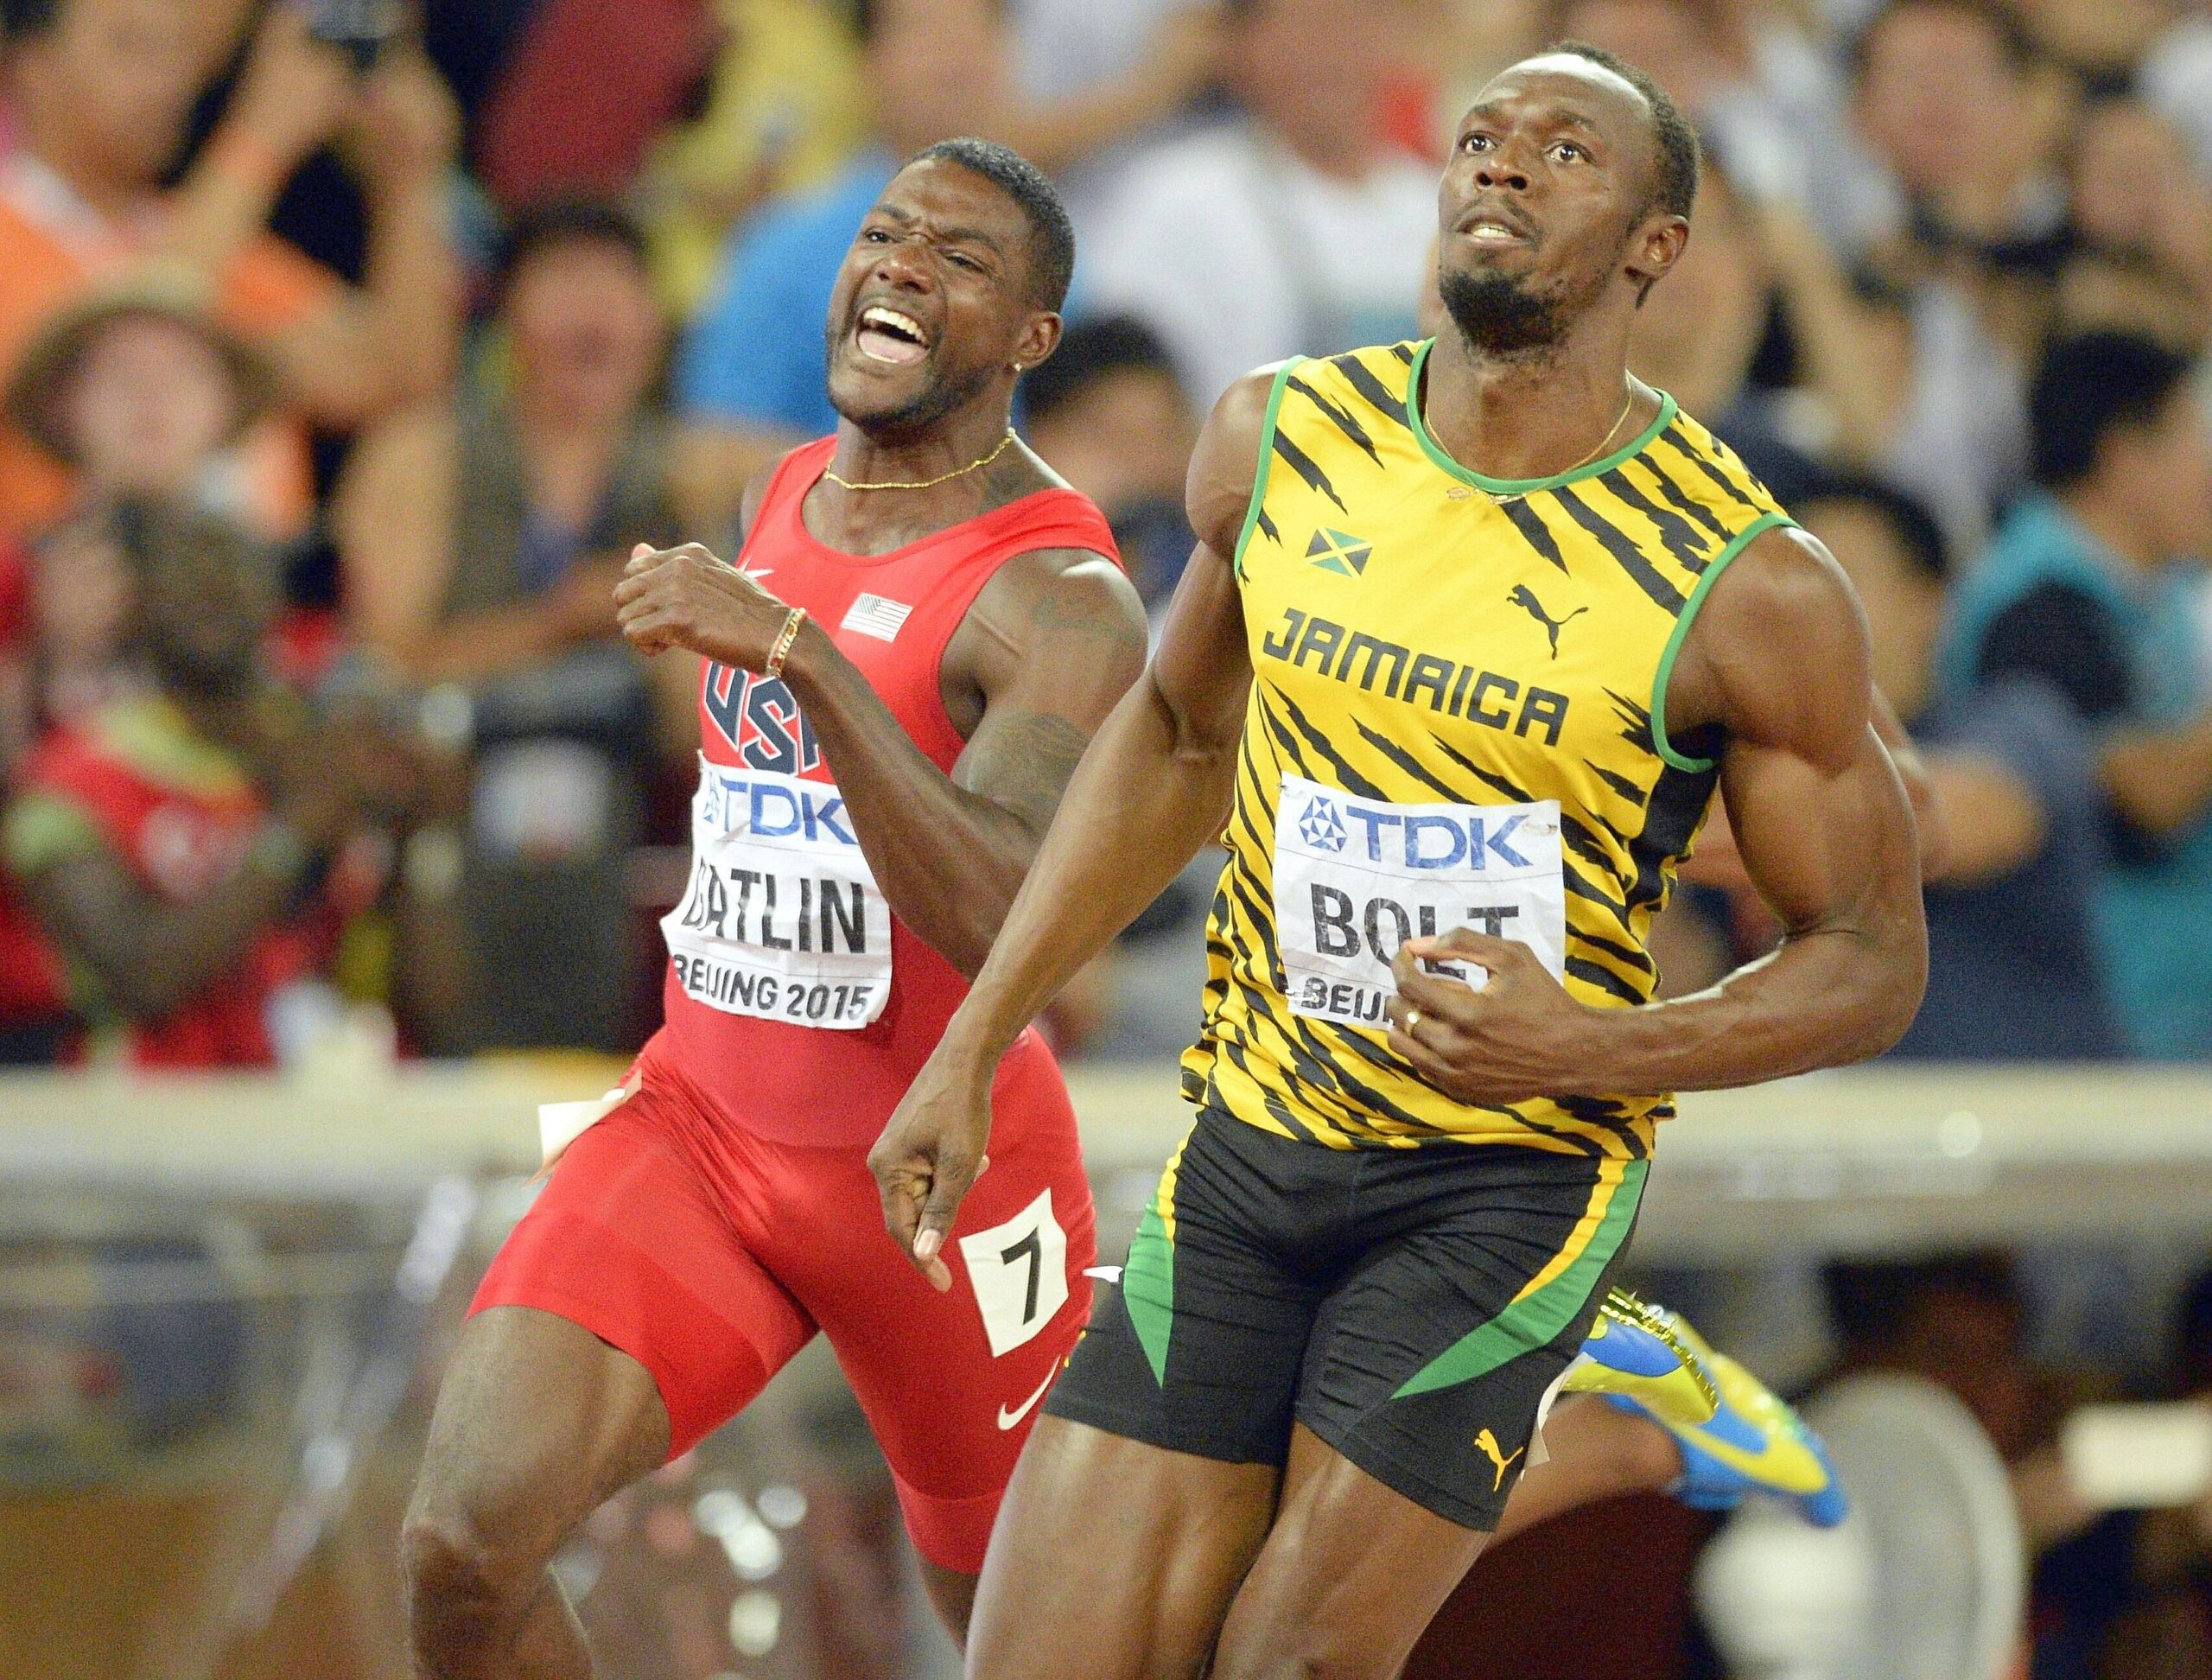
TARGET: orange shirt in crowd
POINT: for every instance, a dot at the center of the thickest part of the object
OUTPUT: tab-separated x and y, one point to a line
54	245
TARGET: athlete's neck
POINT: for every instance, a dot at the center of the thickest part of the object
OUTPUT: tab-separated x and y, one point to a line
1529	417
873	521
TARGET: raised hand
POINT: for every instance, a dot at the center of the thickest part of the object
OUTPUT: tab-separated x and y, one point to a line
685	597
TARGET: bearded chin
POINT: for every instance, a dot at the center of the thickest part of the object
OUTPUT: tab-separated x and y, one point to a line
1498	316
919	412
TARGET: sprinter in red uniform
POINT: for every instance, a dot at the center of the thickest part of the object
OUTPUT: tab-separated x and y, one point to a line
922	630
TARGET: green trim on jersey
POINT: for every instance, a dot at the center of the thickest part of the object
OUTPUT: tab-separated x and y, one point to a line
1718	564
1497	486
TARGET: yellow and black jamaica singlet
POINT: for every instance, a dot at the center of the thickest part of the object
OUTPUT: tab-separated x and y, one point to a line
1457	717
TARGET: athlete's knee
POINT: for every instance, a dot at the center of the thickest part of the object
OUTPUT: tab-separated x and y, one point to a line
466	1578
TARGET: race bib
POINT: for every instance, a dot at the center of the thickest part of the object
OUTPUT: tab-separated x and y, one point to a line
1356	878
782	918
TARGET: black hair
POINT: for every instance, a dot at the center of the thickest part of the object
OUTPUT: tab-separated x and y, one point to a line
1871	1301
1674	149
27	20
1090	350
1052	235
567	221
1909	521
2088	386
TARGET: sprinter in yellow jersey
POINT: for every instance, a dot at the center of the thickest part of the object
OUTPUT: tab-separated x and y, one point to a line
1474	630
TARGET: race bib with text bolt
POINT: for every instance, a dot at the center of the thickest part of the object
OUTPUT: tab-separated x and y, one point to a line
781	919
1356	878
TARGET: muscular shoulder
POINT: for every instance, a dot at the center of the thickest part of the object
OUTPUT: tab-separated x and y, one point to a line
1778	653
1060	592
1226	461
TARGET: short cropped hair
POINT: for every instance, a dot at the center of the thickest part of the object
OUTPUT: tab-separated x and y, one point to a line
567	221
1674	163
1052	235
2088	386
1090	351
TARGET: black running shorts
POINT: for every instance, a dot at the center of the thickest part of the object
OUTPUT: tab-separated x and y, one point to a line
1410	1306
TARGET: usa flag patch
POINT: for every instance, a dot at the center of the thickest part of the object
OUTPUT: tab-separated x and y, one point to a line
875	615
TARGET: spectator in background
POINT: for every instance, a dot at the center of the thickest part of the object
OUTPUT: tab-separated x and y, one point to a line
1698	341
1107	414
139	394
2089	588
780	115
482	542
748	380
1950	103
101	91
1295	228
189	850
2141	221
2013	971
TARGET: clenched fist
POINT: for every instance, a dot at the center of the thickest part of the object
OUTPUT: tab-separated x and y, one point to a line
685	597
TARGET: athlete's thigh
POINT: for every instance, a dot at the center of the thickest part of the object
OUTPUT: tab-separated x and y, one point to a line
622	1320
1351	1574
952	1383
1431	1358
1125	1552
1147	1490
537	1422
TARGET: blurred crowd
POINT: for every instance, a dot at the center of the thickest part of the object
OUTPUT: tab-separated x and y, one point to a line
346	349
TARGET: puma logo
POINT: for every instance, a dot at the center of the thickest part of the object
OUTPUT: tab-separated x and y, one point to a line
1486	1443
1525	599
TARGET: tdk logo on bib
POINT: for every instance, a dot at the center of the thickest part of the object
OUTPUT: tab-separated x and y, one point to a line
1356	878
1322	828
774	809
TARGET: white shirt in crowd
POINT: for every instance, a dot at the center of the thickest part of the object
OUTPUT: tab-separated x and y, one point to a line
1237	253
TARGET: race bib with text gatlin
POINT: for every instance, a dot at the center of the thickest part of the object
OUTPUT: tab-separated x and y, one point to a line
781	919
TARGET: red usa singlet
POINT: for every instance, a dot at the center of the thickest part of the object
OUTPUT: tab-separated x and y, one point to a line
797	1004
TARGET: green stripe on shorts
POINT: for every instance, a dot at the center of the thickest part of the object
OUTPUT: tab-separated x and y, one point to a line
1538	1317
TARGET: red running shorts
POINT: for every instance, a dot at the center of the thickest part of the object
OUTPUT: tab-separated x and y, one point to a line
711	1255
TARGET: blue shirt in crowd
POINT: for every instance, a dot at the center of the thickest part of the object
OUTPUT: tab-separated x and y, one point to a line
754	356
2123	647
2014	971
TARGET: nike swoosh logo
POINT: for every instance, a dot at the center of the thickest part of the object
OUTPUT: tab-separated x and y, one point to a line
1009	1419
1105	1274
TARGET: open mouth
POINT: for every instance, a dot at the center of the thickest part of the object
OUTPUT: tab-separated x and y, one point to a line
1491	231
887	335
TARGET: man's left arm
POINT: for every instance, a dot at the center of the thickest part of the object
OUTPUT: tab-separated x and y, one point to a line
1777	660
1052	642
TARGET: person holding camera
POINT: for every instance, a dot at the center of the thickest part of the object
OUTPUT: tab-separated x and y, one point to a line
195	850
102	91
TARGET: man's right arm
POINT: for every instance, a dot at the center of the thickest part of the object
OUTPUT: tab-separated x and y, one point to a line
1153	787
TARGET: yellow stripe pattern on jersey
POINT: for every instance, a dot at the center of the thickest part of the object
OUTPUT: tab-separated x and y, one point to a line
1420	633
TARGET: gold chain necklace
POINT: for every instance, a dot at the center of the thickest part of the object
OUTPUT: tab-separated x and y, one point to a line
941	478
1501	497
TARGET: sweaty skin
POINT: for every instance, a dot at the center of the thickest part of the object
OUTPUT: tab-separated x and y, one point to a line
539	1420
1237	1570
